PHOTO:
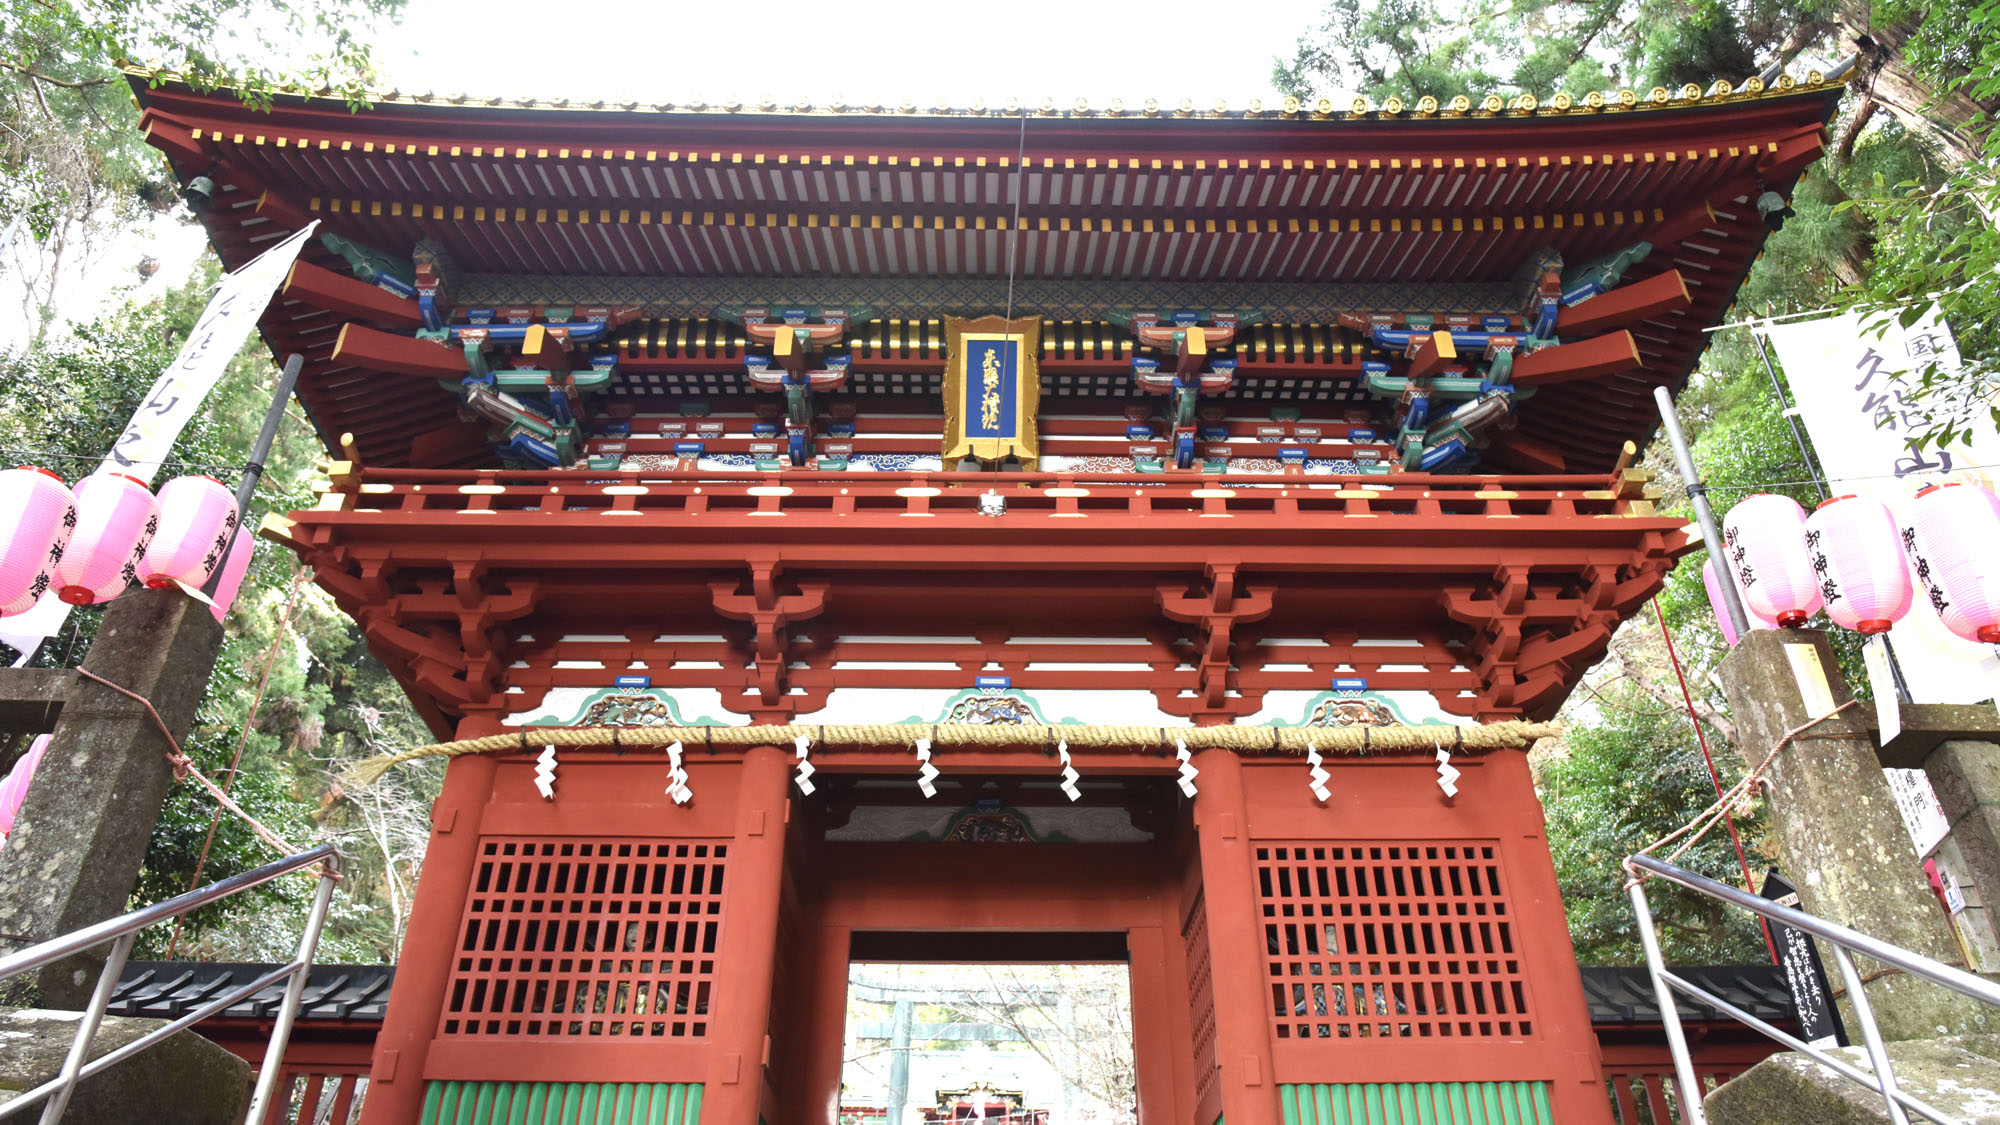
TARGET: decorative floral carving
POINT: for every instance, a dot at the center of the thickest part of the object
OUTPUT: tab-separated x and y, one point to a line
1351	713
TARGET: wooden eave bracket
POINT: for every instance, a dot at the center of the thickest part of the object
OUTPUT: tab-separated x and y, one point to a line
1689	222
1431	355
1789	157
362	346
1584	359
176	140
549	350
1216	614
771	615
350	297
1627	305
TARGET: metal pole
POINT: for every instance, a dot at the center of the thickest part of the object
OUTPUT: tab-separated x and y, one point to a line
1785	405
281	1030
1692	1111
1698	496
1878	1055
86	1029
899	1059
253	471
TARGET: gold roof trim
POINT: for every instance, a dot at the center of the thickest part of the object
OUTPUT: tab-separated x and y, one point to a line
1289	109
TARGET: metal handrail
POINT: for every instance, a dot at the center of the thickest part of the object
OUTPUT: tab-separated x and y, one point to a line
121	931
1845	944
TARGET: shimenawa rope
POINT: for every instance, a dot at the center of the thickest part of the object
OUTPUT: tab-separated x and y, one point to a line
1398	738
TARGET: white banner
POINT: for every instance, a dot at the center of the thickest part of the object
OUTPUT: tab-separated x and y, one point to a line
1854	392
148	439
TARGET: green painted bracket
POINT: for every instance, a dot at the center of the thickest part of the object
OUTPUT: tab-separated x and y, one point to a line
1609	270
535	379
1244	317
366	262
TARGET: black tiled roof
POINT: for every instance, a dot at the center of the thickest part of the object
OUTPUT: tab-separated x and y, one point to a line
1624	995
168	989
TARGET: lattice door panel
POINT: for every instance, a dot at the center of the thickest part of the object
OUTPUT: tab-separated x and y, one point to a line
1201	997
588	939
1379	940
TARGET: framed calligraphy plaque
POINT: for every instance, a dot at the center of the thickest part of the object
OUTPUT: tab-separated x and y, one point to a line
992	387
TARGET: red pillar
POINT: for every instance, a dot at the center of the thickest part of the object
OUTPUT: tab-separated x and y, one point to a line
739	1039
416	1000
1161	1042
1235	942
1577	1094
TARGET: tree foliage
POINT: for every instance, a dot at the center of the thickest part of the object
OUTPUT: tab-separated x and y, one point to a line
1411	48
1625	780
239	44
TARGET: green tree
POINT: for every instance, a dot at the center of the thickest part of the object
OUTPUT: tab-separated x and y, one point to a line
1618	784
76	177
1907	52
67	45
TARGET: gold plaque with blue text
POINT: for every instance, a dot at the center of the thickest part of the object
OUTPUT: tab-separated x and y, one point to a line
992	387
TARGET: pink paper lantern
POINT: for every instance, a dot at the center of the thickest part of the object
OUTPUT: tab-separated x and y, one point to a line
14	786
36	518
1765	537
1857	551
233	570
115	518
1712	582
197	516
1954	534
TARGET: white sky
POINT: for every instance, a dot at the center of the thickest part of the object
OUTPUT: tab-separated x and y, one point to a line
884	51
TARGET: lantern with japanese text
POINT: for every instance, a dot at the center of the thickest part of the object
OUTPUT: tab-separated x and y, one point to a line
1764	536
233	570
197	517
36	518
14	786
1954	536
115	518
1857	554
1711	580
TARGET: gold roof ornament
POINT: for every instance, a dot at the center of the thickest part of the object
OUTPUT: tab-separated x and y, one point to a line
1782	85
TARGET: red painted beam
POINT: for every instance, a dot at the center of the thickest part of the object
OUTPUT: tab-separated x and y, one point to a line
279	210
548	352
366	347
1686	223
1585	359
1516	450
351	297
1430	356
1788	158
1626	305
175	140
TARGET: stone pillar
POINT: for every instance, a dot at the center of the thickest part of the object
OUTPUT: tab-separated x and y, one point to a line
1966	776
75	853
1843	842
1236	950
739	1042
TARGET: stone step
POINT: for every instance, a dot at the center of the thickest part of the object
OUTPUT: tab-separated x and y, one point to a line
182	1080
1959	1076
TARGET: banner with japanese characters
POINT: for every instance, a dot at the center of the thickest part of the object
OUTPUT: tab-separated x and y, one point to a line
1855	380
